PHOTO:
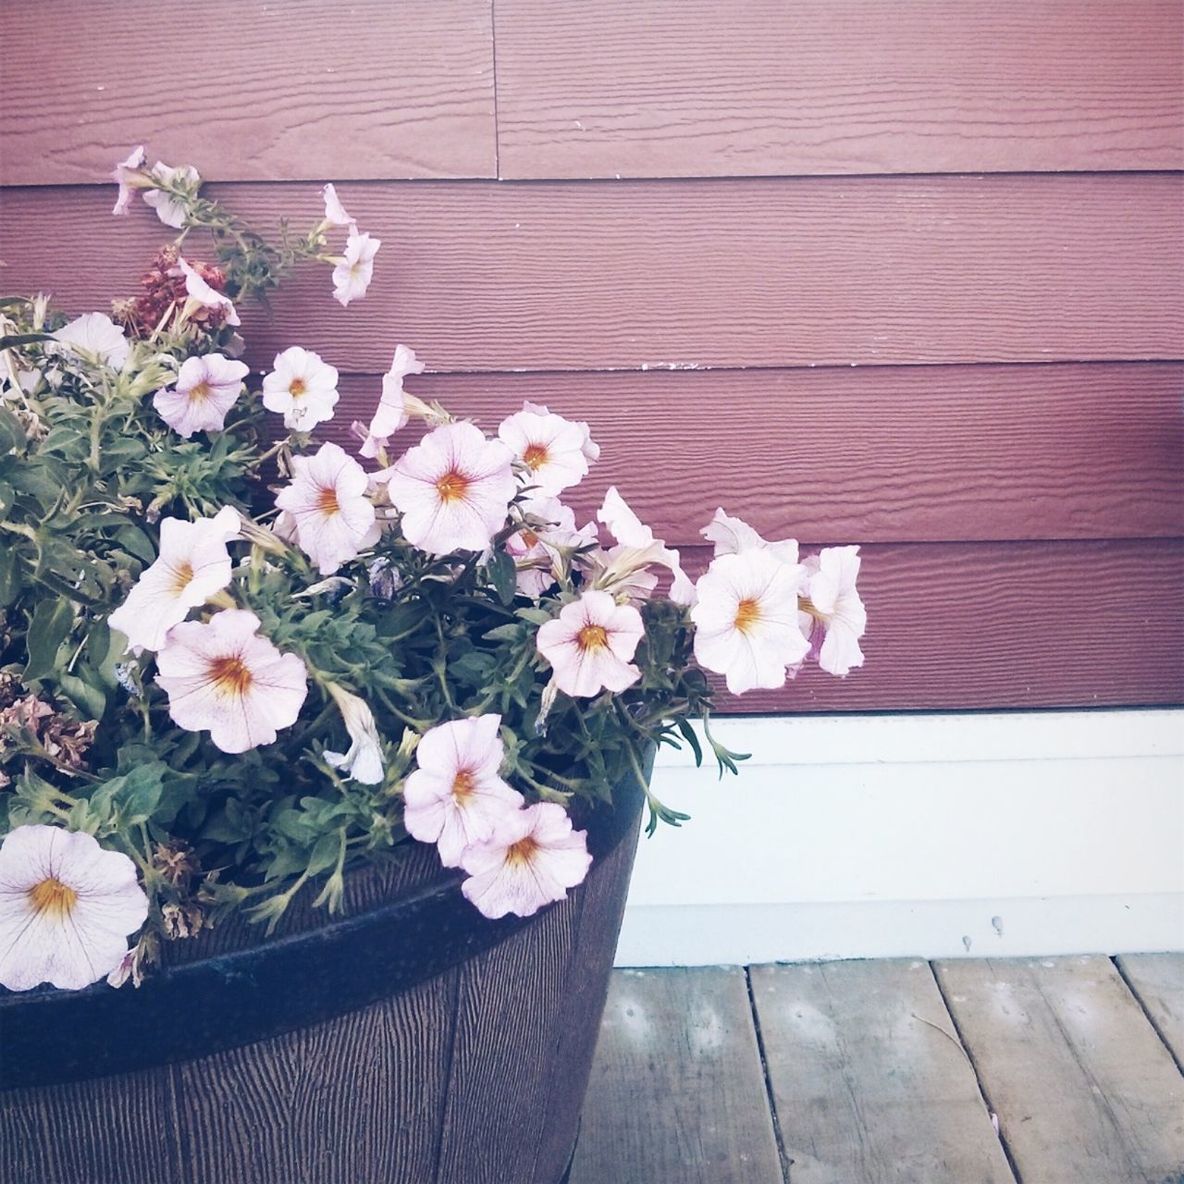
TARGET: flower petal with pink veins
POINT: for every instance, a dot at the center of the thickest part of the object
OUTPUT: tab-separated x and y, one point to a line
455	798
533	859
590	644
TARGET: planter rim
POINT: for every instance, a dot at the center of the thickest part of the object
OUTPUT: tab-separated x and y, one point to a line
193	1009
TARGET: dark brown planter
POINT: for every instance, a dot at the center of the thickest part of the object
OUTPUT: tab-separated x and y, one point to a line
410	1042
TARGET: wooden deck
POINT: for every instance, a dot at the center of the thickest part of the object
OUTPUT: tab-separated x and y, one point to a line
1025	1071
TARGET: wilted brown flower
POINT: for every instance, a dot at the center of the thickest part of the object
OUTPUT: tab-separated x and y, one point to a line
164	288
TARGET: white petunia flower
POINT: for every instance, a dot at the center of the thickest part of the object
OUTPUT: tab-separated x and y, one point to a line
97	337
836	605
193	564
453	489
538	549
533	858
392	411
207	387
67	908
731	536
202	294
335	213
128	175
590	644
455	797
638	549
746	619
168	209
550	447
334	519
302	387
352	275
222	677
363	762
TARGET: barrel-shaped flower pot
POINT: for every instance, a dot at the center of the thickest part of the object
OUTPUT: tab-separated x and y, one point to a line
411	1041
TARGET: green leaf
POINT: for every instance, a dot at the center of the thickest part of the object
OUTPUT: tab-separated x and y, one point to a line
17	339
12	434
49	627
502	573
10	575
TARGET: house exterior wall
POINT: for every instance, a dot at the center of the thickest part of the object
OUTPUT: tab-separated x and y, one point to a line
907	275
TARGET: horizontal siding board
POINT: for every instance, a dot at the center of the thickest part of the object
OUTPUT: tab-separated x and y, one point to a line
298	90
668	89
1006	625
600	275
880	454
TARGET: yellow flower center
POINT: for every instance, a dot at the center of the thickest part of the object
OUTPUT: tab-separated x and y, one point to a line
296	388
529	539
230	675
53	897
462	785
521	852
199	393
452	486
327	501
535	457
748	612
592	637
182	576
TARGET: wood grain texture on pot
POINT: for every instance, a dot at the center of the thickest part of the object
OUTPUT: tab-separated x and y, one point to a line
910	277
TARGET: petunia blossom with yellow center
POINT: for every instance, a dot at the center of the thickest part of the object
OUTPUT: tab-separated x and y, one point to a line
67	908
222	677
455	797
302	387
746	619
207	387
555	451
453	489
192	566
590	644
532	858
333	517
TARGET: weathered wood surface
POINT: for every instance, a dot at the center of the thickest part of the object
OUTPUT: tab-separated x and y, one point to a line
869	1080
670	89
1158	982
1085	1091
879	454
677	1094
746	273
1002	625
295	90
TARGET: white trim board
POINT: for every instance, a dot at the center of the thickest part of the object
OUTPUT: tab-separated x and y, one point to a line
862	836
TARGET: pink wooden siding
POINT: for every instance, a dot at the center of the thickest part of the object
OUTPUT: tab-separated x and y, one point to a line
902	274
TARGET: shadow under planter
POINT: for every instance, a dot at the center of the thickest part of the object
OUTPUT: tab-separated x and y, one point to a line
411	1042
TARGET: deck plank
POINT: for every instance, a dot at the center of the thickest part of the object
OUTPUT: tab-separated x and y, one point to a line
1085	1091
867	1088
1158	981
677	1095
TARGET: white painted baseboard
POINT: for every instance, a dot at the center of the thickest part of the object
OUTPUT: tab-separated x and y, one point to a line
927	836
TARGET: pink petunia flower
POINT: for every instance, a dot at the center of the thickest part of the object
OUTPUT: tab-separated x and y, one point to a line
202	294
453	489
392	411
128	175
302	387
168	209
335	213
455	797
192	565
746	619
554	450
590	644
97	337
222	677
733	535
836	606
207	387
354	270
67	908
533	858
636	552
334	519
